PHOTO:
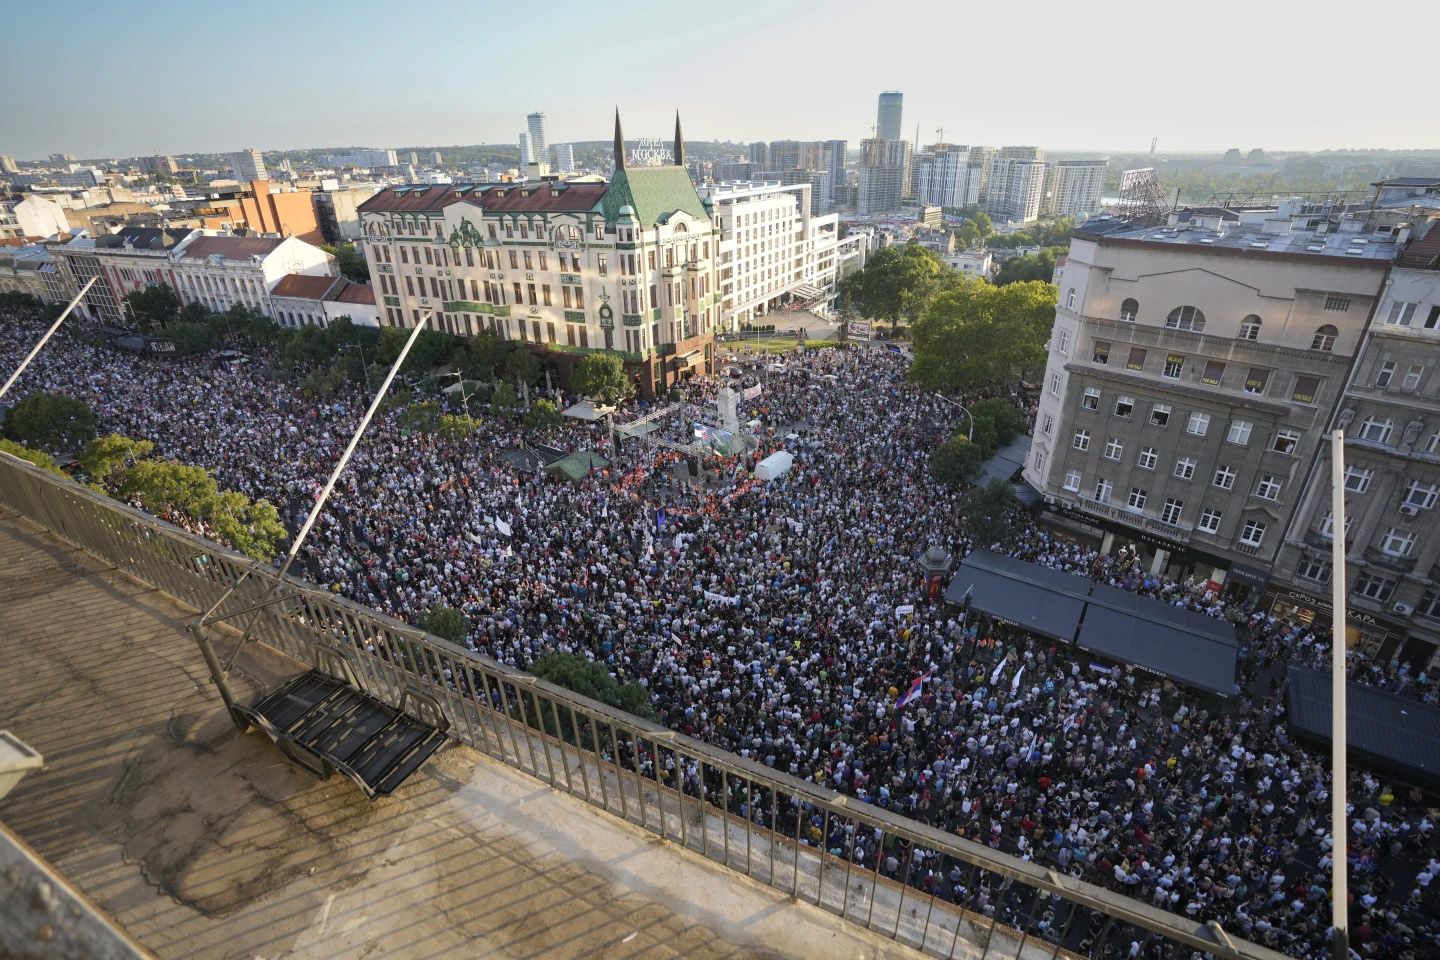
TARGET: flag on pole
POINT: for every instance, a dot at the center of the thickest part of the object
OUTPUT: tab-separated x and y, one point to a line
914	692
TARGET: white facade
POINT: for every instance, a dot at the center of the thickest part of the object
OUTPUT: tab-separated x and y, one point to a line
1016	188
539	138
944	175
34	217
770	246
1074	187
219	271
248	165
564	158
972	263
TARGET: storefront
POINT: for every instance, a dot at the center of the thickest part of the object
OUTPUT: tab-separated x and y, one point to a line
1374	637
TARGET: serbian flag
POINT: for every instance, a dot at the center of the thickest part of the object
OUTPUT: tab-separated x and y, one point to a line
914	692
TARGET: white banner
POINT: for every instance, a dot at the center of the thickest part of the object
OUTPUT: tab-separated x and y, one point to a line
857	330
995	677
750	393
502	526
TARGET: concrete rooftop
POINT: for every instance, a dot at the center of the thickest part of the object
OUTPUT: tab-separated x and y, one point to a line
204	843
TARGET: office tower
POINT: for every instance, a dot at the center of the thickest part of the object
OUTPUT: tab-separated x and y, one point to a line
539	139
882	169
564	158
526	156
887	116
248	165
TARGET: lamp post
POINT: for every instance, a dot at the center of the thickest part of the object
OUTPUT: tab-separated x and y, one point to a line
364	367
459	376
970	435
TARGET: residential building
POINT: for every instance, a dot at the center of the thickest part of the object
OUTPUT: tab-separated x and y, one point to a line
338	212
1191	374
887	115
539	137
82	179
1390	413
248	166
25	270
76	259
266	208
527	156
63	158
219	271
947	175
972	263
1016	184
759	155
1073	187
33	218
299	300
833	162
882	170
565	267
8	165
564	158
160	163
134	258
773	248
366	158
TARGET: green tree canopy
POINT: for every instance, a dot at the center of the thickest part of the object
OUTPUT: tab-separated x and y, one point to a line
543	413
593	680
50	421
447	623
483	357
153	307
106	456
351	261
1032	266
984	510
896	283
1003	419
521	366
974	335
38	457
602	377
956	461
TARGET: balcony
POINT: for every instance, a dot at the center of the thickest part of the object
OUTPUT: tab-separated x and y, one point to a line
1389	561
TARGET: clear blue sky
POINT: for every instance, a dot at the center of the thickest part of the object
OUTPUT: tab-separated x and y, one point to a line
122	78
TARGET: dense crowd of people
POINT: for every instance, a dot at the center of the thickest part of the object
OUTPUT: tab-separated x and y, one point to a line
783	621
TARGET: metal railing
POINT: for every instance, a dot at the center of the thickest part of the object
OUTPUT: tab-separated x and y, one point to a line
807	841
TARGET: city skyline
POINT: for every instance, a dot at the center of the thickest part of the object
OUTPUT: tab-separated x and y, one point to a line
299	94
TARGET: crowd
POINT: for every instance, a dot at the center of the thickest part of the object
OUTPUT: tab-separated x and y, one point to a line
763	618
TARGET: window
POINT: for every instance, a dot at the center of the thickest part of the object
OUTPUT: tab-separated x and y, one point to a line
1148	458
529	260
599	260
1254	533
1040	461
1137	359
1209	520
1313	568
1082	440
1055	384
1124	406
1160	415
1170	513
1433	444
1397	543
1064	344
1129	309
1072	480
1174	366
514	260
1324	338
1184	468
1268	488
1186	318
1429	605
1386	374
1250	328
1411	383
1137	498
1400	314
1049	427
1371	587
1340	304
1214	371
1326	526
1432	319
1375	430
1114	449
1285	442
1090	399
1421	495
1103	490
1100	353
1224	477
1239	432
1199	424
1256	380
1305	389
1070	299
1357	480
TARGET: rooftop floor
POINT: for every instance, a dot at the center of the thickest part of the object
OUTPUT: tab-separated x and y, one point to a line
204	843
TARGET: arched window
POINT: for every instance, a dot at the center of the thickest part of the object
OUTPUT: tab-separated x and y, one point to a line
1324	338
1186	318
1250	328
1129	309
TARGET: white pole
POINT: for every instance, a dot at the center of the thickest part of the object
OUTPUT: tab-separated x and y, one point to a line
48	334
1339	893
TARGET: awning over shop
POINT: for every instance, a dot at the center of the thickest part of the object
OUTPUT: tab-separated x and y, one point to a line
1386	728
1019	593
1130	636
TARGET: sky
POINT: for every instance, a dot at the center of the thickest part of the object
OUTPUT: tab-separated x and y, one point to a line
131	77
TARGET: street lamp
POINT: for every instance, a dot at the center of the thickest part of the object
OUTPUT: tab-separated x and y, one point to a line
364	367
961	407
459	376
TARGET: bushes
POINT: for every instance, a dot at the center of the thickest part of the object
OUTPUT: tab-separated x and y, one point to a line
50	421
447	623
593	680
40	458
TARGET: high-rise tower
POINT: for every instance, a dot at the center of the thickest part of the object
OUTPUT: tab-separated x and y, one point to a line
887	117
539	138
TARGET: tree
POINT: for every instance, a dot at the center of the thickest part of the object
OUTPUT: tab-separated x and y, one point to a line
482	357
251	526
543	413
521	367
38	457
50	421
420	416
153	307
191	338
504	397
350	260
896	283
967	235
460	427
447	623
591	679
956	461
1003	419
431	350
973	335
984	511
1032	266
601	376
106	456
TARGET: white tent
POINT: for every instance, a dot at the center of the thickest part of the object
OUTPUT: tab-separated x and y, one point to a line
587	410
776	465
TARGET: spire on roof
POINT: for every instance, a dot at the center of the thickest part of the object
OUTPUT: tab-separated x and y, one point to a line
679	142
619	143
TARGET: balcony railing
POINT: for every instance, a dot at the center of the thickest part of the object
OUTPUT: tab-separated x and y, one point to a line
680	789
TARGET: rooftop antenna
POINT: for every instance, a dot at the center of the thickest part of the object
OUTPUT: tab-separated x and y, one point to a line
939	134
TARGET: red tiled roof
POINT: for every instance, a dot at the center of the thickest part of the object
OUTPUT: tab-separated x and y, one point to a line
354	293
231	248
412	199
1422	253
507	197
303	287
